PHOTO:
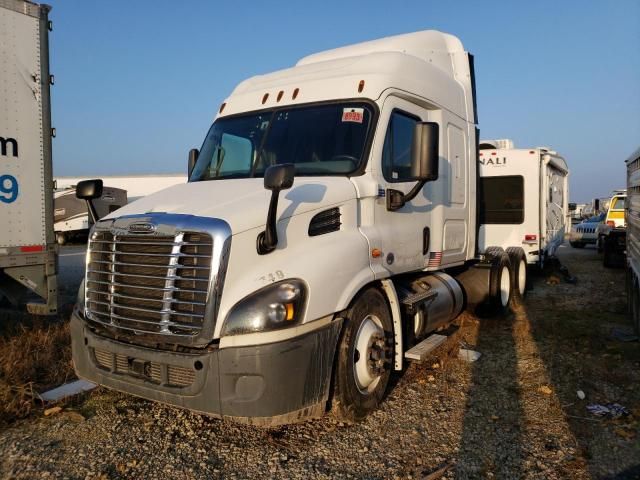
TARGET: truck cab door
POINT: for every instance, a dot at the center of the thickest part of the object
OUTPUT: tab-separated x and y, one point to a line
403	233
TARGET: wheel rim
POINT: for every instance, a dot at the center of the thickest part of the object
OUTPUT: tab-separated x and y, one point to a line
522	277
369	356
505	286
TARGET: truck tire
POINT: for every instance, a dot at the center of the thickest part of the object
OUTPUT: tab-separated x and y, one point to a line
518	260
500	282
364	357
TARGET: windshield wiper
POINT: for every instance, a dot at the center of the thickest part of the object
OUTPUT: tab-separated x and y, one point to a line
220	154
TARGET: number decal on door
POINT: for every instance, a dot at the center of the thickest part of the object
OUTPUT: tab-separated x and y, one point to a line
8	188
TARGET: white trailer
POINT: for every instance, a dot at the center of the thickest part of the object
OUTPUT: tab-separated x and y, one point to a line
523	202
328	228
27	242
136	186
633	237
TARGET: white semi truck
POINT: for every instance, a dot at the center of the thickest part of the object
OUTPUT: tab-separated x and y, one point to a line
327	229
524	203
28	258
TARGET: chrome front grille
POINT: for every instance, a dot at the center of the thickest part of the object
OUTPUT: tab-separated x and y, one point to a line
155	284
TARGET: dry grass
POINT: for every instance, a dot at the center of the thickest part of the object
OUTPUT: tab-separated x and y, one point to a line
35	354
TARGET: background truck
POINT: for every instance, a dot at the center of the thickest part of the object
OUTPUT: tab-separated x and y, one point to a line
27	241
524	195
71	217
612	232
328	228
633	237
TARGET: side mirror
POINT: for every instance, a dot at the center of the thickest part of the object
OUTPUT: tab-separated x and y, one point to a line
596	205
424	151
276	178
424	163
572	207
89	190
279	177
193	158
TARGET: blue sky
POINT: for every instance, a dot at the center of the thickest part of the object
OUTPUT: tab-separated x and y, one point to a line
138	83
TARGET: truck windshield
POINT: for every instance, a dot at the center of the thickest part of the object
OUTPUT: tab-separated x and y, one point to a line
325	139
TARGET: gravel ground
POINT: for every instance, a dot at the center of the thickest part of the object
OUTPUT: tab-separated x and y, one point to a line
512	414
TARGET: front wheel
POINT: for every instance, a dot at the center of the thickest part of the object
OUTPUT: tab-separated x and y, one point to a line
364	357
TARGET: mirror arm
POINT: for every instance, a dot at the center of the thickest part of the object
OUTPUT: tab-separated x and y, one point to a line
268	240
414	191
397	199
92	211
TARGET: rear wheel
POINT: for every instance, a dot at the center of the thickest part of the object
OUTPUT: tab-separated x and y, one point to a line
500	282
364	357
518	261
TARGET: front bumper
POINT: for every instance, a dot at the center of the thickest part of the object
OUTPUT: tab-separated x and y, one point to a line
588	238
267	384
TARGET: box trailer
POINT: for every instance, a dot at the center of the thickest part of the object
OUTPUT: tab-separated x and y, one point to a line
328	228
27	242
524	196
71	217
633	237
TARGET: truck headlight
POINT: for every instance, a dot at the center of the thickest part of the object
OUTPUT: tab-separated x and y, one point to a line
277	306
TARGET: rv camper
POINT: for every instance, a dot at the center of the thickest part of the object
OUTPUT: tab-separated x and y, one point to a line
523	202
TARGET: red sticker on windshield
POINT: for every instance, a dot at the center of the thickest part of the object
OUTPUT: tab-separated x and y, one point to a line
353	115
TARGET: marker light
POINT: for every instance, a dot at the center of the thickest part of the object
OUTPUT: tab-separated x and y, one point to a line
264	98
611	223
360	86
295	94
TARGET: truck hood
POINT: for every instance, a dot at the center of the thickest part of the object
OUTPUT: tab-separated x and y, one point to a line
242	203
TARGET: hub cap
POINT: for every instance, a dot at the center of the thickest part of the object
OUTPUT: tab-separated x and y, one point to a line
370	355
505	286
522	277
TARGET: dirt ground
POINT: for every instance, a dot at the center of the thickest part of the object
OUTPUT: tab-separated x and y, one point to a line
514	413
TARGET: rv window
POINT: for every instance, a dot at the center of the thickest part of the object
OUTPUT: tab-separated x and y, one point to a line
502	200
396	153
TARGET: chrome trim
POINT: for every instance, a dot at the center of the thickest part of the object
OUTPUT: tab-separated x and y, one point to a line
167	225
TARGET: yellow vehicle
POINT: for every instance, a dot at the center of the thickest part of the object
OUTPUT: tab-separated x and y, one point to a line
615	213
611	234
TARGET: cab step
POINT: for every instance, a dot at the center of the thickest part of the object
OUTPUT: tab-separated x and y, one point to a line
420	351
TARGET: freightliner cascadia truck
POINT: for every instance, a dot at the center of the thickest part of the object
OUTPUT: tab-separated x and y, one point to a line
28	255
328	228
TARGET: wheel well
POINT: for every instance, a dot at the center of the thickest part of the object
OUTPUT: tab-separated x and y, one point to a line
387	289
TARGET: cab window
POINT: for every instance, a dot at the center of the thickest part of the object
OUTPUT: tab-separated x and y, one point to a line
396	152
